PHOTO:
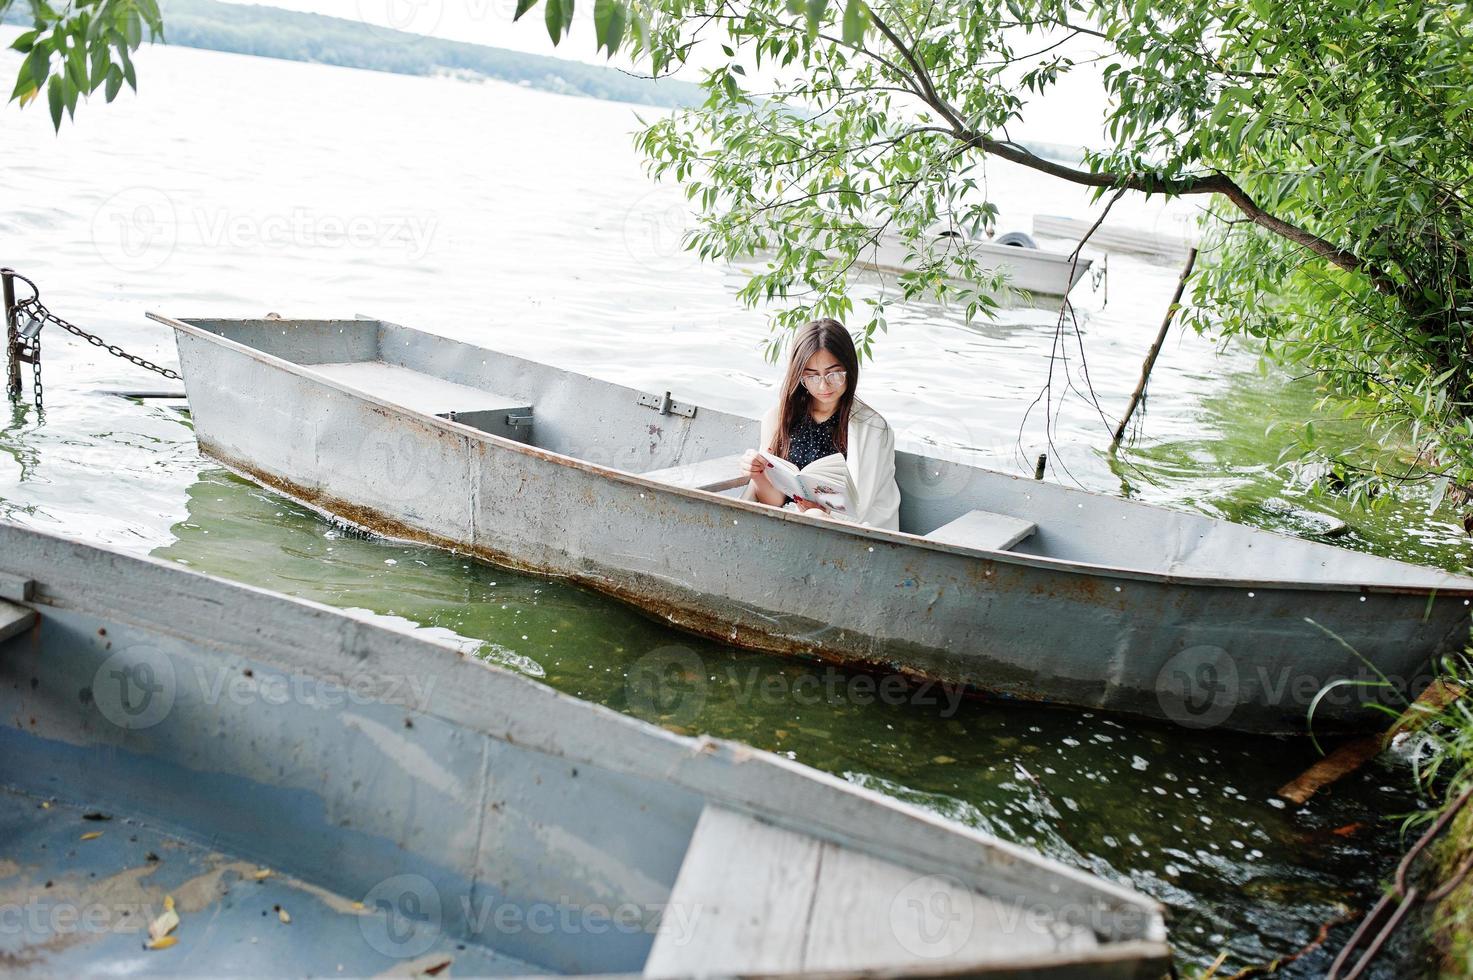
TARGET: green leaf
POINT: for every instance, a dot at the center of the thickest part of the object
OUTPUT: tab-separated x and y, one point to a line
25	89
76	66
24	43
522	7
609	18
150	9
132	29
559	17
99	67
38	63
55	100
114	82
855	21
641	28
815	12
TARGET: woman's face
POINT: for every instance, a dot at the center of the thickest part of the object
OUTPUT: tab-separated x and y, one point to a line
824	377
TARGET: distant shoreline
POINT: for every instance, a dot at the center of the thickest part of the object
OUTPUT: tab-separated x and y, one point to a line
271	32
287	35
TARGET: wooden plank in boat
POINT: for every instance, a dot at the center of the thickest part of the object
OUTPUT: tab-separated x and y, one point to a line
740	903
870	914
984	529
755	898
415	389
720	473
14	619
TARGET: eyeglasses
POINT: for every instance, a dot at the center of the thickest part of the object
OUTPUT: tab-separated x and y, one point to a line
834	379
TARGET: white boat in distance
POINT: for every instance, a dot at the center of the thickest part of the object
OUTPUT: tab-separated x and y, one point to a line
1001	583
1039	272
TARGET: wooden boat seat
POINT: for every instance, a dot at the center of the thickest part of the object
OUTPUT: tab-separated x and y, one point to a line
751	898
480	409
716	474
984	530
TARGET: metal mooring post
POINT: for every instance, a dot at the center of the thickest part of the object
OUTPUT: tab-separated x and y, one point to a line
12	345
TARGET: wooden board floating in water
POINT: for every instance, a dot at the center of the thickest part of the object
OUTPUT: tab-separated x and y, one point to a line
1351	755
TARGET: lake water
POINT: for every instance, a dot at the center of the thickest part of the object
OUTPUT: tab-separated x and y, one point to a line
522	221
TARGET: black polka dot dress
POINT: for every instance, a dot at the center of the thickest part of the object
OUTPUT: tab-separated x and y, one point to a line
812	440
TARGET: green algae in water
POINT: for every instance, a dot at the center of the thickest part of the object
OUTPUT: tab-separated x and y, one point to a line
1187	817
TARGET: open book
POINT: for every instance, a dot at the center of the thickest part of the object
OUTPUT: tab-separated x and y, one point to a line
824	481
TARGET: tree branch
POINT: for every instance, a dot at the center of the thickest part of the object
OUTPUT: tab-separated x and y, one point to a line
1215	183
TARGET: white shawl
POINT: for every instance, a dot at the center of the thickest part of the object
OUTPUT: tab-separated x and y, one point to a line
870	458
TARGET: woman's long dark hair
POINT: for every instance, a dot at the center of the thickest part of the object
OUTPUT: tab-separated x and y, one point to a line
825	334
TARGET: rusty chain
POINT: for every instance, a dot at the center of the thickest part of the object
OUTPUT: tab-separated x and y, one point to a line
33	309
1389	913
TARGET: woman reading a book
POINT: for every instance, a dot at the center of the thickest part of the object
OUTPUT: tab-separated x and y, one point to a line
823	451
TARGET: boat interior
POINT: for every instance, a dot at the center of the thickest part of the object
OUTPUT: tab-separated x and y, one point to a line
317	794
665	437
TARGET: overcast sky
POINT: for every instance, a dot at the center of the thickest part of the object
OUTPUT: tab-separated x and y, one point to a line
1070	115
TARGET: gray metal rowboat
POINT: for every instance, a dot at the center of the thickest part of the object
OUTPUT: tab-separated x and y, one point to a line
323	796
1006	585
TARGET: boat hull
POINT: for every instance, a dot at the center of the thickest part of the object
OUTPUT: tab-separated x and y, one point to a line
1192	650
1038	272
322	794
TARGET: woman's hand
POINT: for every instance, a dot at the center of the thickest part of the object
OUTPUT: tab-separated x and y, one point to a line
806	505
755	466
